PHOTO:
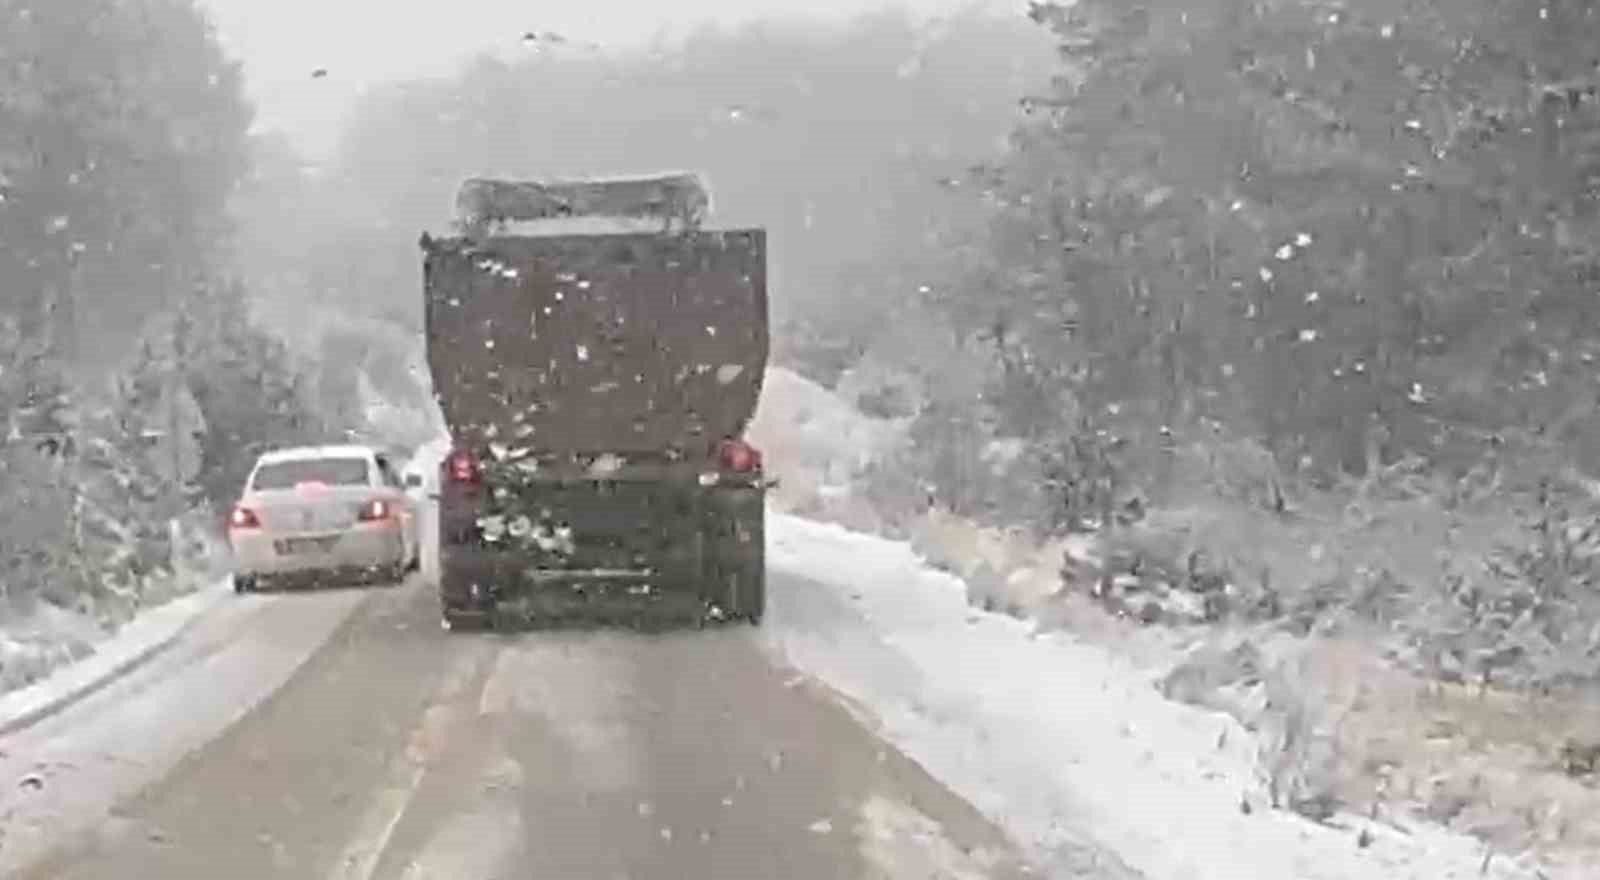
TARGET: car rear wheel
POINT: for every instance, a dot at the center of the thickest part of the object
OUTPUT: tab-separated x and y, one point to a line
244	583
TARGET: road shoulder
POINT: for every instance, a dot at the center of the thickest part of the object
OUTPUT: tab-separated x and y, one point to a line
1065	744
74	766
135	644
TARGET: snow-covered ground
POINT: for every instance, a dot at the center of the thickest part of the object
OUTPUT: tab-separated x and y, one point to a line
102	657
1064	743
46	645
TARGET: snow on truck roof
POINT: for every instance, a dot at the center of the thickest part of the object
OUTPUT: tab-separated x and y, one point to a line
483	202
308	453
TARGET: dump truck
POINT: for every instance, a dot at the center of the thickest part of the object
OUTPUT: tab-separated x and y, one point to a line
597	354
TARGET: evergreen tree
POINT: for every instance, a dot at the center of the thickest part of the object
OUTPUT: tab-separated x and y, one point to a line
121	140
248	389
1304	222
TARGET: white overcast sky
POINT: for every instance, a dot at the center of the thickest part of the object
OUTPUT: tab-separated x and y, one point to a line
361	42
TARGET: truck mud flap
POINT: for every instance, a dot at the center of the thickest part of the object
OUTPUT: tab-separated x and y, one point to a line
735	559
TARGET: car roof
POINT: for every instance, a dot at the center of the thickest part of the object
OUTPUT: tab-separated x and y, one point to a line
309	453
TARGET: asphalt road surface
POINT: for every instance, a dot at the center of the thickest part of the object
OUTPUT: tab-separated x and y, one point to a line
343	735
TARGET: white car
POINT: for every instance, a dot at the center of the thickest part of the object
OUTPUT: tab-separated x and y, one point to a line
316	512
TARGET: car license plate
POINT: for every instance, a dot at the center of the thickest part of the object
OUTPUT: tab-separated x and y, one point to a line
292	546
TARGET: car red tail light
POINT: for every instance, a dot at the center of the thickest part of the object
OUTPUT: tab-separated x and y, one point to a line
375	511
461	466
739	456
243	518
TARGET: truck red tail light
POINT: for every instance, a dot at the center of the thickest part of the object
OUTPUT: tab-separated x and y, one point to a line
375	511
461	467
243	518
738	456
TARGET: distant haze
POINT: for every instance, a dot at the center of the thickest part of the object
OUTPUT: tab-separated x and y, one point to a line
364	42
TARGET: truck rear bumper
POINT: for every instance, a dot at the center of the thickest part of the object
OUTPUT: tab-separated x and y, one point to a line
480	580
704	564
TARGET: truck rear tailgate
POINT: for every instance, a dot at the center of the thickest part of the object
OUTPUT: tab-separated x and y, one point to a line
585	343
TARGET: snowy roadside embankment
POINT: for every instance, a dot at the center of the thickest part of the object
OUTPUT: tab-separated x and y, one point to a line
101	657
1067	744
43	644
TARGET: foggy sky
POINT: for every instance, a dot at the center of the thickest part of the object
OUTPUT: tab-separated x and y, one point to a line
364	42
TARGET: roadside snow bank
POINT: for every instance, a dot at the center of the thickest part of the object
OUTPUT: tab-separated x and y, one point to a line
41	641
818	445
1067	744
32	645
800	424
98	657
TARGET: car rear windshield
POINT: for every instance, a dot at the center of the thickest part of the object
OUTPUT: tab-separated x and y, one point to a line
329	471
